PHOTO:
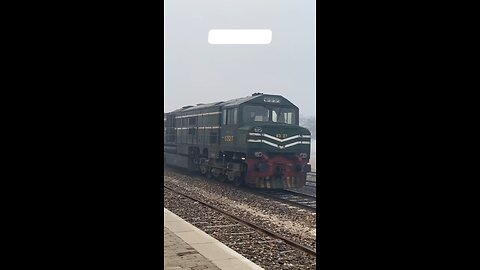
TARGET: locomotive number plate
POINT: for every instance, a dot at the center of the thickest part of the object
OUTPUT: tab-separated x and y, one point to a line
281	136
229	138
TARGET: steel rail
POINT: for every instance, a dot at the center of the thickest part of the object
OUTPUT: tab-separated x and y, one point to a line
302	194
268	193
252	225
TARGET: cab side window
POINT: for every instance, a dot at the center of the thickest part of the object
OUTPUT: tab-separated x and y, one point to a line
230	116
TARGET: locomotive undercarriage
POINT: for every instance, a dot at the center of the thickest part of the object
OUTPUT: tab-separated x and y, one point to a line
268	171
228	166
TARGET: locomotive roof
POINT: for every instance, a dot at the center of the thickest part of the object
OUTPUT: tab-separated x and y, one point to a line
234	102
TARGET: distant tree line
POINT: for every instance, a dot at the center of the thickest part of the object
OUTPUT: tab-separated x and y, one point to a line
309	122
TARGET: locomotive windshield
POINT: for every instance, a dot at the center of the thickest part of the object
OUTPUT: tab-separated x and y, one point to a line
275	114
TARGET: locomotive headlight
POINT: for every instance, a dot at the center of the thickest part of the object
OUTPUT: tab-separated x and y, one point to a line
303	155
258	154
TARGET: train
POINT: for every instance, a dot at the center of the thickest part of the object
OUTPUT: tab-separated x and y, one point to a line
253	141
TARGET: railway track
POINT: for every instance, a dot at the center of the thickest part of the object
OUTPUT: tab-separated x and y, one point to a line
310	183
311	180
291	197
250	224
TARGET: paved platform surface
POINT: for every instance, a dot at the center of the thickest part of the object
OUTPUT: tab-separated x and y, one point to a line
187	247
179	255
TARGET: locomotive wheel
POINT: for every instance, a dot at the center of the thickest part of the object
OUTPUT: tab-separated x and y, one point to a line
238	182
222	178
209	175
231	177
203	170
216	173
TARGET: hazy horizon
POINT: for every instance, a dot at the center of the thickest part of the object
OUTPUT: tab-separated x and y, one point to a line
198	72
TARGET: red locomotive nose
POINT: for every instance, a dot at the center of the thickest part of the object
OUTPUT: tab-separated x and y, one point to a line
275	171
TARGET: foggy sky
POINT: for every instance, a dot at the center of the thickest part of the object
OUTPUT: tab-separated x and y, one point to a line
198	72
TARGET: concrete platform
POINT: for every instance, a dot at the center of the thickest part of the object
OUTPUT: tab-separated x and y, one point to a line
187	247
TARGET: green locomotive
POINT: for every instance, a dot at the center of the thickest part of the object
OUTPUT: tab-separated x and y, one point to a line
254	140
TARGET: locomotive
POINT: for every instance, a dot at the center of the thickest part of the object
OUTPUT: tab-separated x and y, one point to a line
254	141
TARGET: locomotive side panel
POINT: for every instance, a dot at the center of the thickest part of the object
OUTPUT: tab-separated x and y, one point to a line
196	135
177	160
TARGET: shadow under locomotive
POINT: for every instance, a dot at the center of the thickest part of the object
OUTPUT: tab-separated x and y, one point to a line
254	141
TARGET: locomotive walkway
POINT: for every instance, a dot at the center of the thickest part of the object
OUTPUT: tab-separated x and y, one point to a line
187	247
